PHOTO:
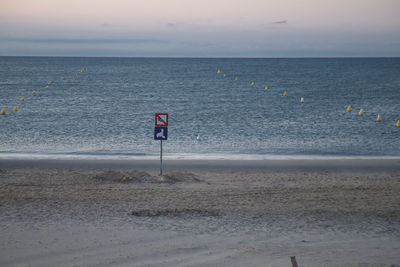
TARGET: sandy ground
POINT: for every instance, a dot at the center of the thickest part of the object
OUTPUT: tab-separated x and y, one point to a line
223	215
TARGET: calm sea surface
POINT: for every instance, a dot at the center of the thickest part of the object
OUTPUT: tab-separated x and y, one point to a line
107	111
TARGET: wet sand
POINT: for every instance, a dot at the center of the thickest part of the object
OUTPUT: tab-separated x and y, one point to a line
200	213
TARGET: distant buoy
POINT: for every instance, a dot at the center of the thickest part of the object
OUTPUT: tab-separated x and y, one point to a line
379	119
49	82
34	92
348	109
224	75
218	71
82	70
236	78
198	137
252	83
302	100
47	86
398	123
361	112
22	98
284	93
3	112
15	108
266	88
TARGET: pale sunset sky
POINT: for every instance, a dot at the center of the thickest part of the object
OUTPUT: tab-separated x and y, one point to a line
200	28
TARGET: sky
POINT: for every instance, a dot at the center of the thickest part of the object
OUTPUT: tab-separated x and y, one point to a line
200	28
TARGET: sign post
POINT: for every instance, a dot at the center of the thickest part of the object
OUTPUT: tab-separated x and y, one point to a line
161	131
161	157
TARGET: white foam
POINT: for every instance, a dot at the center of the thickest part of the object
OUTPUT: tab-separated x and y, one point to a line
179	156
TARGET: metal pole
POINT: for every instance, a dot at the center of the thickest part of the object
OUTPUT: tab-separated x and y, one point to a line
293	260
161	159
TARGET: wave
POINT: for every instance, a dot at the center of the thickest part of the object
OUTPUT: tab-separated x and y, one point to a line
177	156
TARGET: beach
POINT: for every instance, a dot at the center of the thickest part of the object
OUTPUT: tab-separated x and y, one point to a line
200	133
336	212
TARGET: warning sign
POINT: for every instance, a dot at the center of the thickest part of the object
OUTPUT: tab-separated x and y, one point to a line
161	119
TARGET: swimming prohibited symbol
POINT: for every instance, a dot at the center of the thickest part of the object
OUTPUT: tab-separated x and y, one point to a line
161	119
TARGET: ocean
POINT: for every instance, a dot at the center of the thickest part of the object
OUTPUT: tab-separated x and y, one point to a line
103	108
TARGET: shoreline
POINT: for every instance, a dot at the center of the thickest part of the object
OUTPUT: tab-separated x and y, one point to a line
377	164
184	156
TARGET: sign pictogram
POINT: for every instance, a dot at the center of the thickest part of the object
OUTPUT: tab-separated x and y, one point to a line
161	119
160	133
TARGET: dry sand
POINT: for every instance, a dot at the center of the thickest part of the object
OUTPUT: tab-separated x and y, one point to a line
326	213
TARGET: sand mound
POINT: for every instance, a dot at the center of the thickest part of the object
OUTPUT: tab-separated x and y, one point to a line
128	177
144	177
175	213
180	177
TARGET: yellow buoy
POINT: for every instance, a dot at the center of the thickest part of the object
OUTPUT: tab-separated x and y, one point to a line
348	108
398	123
361	112
379	119
252	83
47	86
236	78
302	100
82	70
34	92
218	71
284	93
22	98
3	112
266	88
15	108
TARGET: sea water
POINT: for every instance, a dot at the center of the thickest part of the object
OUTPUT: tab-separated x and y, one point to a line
105	107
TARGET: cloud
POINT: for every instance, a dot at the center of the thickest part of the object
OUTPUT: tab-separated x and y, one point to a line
84	41
280	22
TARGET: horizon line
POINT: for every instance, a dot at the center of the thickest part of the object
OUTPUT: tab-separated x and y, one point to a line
206	57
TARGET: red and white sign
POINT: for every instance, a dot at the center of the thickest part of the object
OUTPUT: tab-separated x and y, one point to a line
161	119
